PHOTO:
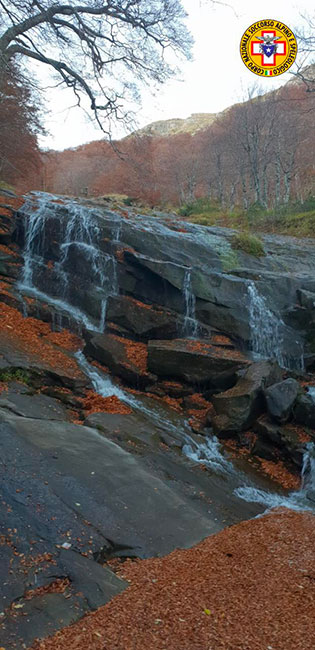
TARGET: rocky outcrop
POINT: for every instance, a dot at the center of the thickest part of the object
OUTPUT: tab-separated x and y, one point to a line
237	408
123	357
141	320
195	362
149	258
273	436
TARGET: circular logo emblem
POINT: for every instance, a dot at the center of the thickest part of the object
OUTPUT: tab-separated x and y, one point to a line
268	48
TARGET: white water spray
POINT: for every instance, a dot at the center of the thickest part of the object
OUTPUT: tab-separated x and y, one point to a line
190	327
78	229
267	332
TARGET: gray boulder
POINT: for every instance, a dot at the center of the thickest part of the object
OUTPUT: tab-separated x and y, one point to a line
237	408
194	361
280	399
273	437
304	411
113	352
143	320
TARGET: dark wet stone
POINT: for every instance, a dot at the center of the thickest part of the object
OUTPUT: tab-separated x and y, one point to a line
112	352
281	398
304	411
182	359
237	408
142	320
97	583
33	406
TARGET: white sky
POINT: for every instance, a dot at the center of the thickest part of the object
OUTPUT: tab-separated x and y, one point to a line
214	80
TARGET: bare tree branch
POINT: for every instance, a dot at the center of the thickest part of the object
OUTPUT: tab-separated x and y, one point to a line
103	49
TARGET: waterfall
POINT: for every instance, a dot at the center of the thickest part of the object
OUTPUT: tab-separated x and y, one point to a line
190	326
78	229
267	333
302	499
265	327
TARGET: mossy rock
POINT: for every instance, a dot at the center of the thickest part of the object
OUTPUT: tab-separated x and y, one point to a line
249	244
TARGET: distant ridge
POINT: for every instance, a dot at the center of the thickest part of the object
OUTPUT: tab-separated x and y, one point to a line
192	124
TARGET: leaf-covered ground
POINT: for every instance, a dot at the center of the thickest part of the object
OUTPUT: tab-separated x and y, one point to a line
250	587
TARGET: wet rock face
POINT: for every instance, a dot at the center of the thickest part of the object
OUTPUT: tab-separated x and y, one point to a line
143	321
237	408
193	361
304	411
281	398
273	437
148	260
123	357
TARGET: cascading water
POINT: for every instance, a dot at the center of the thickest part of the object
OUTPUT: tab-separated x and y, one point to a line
303	499
190	326
267	332
265	327
78	230
209	452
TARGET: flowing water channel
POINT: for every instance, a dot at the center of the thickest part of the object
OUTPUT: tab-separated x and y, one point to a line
79	229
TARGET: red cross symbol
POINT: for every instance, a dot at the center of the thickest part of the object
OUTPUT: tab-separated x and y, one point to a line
268	61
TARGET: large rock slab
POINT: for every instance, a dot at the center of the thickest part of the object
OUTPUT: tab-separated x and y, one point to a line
124	358
33	406
143	320
14	354
111	488
237	408
98	583
281	398
194	361
134	428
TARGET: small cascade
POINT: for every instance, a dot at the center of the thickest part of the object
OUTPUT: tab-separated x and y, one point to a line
303	499
268	331
209	452
106	387
265	327
308	471
190	326
78	234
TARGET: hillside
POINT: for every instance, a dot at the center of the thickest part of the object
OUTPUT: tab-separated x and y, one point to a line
256	155
192	124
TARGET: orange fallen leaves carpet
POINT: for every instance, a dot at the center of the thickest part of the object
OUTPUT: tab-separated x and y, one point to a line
34	338
250	587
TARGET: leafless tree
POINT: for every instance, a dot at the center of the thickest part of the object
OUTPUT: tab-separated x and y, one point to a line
102	49
305	70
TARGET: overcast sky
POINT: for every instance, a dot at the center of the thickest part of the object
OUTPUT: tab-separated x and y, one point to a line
215	79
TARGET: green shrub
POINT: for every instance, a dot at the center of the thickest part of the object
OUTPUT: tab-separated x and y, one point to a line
248	243
199	206
129	201
15	374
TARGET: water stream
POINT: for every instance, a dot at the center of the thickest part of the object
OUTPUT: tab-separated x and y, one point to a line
267	332
209	452
190	326
78	229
